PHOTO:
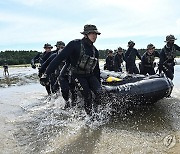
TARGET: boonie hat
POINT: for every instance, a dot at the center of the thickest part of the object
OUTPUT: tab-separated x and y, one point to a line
150	46
90	29
47	45
170	38
131	43
60	43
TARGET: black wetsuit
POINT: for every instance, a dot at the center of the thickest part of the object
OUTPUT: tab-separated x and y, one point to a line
130	58
61	77
110	63
166	62
41	58
5	66
118	60
87	81
67	84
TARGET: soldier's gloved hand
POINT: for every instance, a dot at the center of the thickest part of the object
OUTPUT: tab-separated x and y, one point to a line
44	80
33	66
162	74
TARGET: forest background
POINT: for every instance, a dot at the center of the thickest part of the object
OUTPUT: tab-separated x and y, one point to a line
12	57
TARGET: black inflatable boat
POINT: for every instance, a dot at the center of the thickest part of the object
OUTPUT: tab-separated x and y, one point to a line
136	88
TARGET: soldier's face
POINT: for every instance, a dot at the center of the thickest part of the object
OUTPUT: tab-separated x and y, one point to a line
110	54
150	51
171	42
120	52
60	49
92	36
48	49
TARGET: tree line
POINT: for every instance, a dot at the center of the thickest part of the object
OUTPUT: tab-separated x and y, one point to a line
12	57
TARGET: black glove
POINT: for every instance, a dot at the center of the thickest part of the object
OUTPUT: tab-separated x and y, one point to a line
33	66
44	80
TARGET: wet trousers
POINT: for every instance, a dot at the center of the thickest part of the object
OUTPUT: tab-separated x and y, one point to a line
132	68
169	71
147	70
87	85
67	85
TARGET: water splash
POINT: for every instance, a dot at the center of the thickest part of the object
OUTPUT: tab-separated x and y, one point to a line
46	121
169	141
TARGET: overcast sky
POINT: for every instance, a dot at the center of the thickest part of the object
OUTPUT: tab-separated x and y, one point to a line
29	24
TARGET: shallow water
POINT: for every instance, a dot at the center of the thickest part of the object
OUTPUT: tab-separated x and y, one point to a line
30	122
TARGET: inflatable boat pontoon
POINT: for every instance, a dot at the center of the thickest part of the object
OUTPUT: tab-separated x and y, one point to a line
135	87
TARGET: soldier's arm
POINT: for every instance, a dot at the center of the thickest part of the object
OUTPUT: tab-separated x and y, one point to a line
138	55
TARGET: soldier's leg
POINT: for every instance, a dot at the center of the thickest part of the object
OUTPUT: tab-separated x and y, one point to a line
48	89
73	91
169	72
83	86
151	71
64	85
135	69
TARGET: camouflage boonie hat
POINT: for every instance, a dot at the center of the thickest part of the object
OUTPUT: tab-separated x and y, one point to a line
90	29
47	45
120	49
170	38
131	43
150	46
60	43
110	51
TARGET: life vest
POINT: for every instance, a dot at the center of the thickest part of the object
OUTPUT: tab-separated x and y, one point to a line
170	53
86	63
150	58
120	58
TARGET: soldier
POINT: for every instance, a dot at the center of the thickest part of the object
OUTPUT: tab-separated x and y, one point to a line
84	62
147	61
6	72
130	58
41	58
118	60
61	77
110	61
67	85
167	57
54	86
59	46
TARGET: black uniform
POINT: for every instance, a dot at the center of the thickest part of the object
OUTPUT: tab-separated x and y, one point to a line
85	69
147	63
53	77
118	60
6	72
110	63
67	84
130	58
166	63
41	58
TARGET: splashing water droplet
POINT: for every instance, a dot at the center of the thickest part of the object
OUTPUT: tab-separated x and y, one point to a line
169	141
